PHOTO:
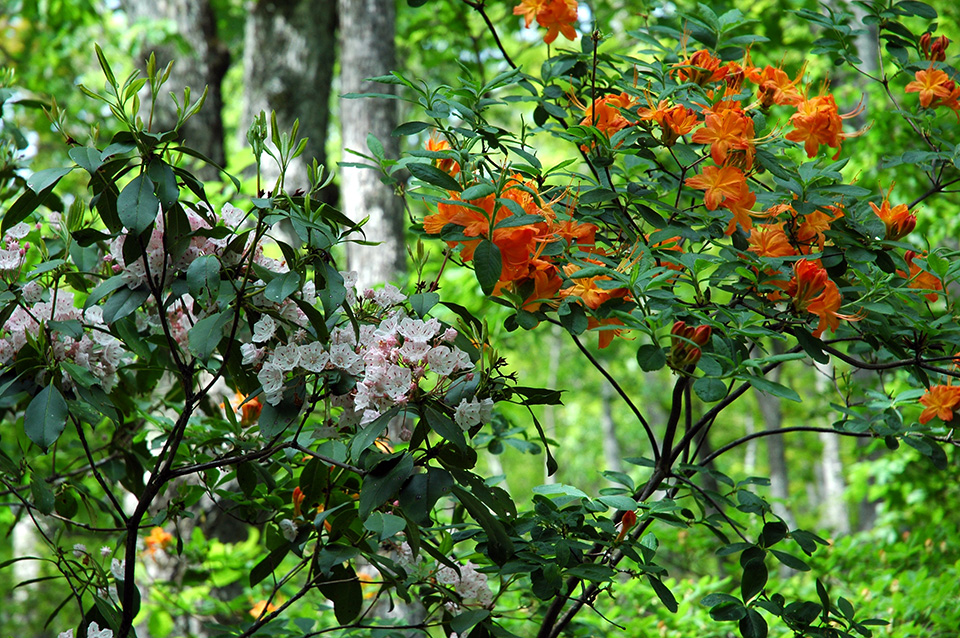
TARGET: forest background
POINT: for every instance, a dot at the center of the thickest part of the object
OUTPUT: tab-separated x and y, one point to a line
890	519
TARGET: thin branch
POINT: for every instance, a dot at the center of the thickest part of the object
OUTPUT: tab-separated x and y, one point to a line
327	459
798	428
626	398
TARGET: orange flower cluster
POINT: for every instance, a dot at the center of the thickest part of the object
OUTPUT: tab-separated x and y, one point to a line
812	291
298	498
525	270
936	89
556	16
818	121
605	114
934	49
940	402
262	607
158	540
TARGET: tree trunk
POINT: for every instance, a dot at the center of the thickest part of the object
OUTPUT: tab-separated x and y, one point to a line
834	515
367	30
611	446
202	64
771	411
288	57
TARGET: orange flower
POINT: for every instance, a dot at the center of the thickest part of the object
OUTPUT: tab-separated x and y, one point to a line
897	220
605	114
935	88
557	16
298	498
769	240
685	344
676	122
774	86
700	68
810	232
920	278
740	205
719	184
261	608
588	288
157	540
606	333
729	130
446	165
934	50
809	280
826	306
817	121
941	400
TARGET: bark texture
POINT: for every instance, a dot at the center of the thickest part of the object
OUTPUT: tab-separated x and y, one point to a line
367	49
201	60
288	58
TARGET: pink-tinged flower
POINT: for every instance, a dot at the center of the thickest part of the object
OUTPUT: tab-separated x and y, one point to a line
251	353
285	357
271	378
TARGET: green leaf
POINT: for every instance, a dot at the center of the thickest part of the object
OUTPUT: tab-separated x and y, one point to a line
753	625
384	481
664	594
205	335
477	191
166	182
770	387
266	566
709	389
123	302
499	544
488	265
137	206
422	302
344	591
410	128
282	286
42	494
86	157
432	175
651	357
41	180
445	427
369	433
790	561
46	417
754	577
592	572
422	492
466	620
203	274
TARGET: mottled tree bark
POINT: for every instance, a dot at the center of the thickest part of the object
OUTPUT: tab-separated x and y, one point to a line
367	30
288	58
200	60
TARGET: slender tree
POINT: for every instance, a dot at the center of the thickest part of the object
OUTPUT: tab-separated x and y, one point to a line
367	30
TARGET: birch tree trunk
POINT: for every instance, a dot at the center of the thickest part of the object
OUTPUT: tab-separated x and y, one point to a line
203	64
288	58
367	49
834	515
771	410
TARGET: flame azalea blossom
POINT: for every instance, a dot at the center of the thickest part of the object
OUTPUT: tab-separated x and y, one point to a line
157	540
920	278
769	240
810	232
935	88
262	607
556	16
606	332
940	402
899	222
446	165
588	288
719	183
817	121
774	86
725	132
700	68
676	122
605	114
686	343
934	50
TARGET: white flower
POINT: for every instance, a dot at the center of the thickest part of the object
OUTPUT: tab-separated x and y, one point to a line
79	550
66	634
94	631
313	357
105	551
445	361
251	353
118	568
19	231
388	296
285	357
271	378
231	216
289	529
470	413
264	329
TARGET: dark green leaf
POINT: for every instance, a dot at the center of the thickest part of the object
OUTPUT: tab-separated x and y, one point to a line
477	191
488	265
664	594
466	620
790	561
422	302
651	357
710	390
384	481
432	175
266	566
203	274
445	427
422	492
344	591
42	495
282	286
410	128
86	157
499	545
137	205
46	417
205	335
753	625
